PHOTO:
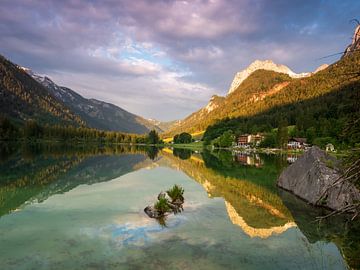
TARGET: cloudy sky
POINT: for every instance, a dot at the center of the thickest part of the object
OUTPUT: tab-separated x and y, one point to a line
164	59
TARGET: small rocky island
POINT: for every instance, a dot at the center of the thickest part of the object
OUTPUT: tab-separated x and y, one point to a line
316	177
167	202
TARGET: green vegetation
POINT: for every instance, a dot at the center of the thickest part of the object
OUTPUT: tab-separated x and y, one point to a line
182	153
7	130
33	131
162	206
152	152
282	135
176	193
194	145
182	138
323	141
222	162
269	141
153	137
330	164
225	140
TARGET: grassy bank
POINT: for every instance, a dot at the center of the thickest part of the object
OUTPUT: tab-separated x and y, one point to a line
193	145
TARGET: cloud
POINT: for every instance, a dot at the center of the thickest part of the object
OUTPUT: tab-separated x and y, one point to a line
158	56
165	96
200	54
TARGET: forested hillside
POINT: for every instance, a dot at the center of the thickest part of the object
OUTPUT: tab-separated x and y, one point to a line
22	98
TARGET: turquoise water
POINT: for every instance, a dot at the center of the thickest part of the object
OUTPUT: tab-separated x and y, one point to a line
90	216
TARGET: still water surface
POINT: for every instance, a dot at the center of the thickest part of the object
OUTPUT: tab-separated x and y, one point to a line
83	209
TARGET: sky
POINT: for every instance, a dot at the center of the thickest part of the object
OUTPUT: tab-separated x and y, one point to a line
164	59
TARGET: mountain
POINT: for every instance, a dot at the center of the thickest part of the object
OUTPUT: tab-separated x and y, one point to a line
259	80
163	126
95	113
197	120
22	98
257	86
265	65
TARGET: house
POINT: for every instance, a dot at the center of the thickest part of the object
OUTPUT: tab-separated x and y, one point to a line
246	140
256	139
297	143
330	147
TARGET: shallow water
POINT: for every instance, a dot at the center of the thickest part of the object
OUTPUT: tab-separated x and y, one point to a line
85	211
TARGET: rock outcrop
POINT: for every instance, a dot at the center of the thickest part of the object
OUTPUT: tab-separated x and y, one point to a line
215	102
320	68
266	65
315	177
355	44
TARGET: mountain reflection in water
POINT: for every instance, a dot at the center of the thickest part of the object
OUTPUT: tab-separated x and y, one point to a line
245	183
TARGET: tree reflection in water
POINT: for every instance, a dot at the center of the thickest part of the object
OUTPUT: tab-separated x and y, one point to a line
251	199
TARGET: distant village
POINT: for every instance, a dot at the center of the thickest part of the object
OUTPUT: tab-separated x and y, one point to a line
293	143
251	140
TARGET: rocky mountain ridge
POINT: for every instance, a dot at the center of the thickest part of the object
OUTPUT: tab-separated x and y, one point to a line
95	113
267	65
261	64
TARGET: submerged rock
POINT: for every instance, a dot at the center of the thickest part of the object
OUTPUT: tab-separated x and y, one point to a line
312	178
152	212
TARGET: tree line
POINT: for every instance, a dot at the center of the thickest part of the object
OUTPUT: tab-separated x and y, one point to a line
31	130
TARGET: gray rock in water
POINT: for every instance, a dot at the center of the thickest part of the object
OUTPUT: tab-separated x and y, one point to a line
312	174
152	212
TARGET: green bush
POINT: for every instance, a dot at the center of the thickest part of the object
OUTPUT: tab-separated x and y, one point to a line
176	193
323	141
269	141
183	138
162	206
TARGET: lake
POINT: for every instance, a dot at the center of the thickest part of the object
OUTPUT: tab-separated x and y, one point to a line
82	208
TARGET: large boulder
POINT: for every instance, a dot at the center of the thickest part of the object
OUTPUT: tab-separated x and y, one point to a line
312	178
